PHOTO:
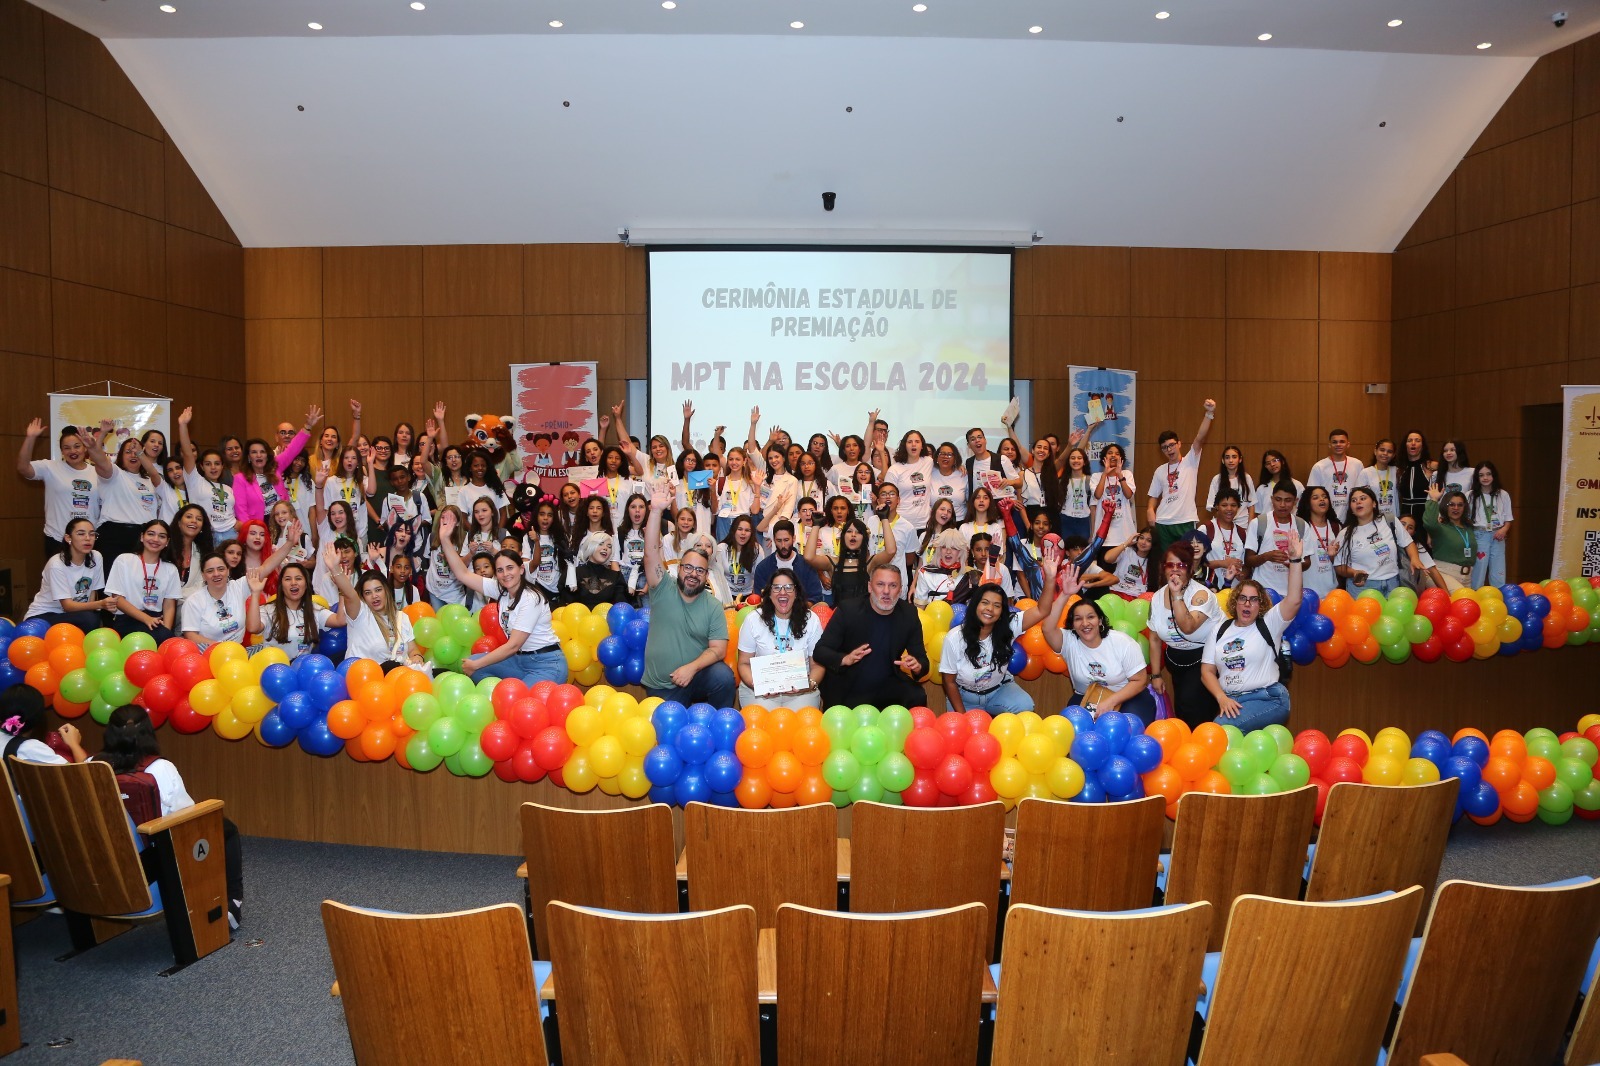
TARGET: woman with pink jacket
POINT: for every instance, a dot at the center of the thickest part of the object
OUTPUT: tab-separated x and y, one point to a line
259	484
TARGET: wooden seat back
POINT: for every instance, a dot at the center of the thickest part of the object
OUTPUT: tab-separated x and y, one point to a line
916	858
761	858
1584	1048
1499	972
17	857
81	830
1099	987
1287	967
616	859
1087	856
10	1023
1224	847
687	992
437	989
880	988
1377	839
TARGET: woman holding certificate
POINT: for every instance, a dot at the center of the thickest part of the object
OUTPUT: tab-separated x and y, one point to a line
775	644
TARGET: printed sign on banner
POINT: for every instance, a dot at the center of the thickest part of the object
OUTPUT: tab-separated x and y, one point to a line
132	415
553	405
1100	395
1577	551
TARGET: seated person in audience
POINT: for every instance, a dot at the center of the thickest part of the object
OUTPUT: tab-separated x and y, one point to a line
975	661
131	747
785	557
1108	671
27	731
872	647
1239	665
784	622
376	629
688	642
594	578
72	587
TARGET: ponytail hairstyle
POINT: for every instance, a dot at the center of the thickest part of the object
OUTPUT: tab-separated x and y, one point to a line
129	739
524	586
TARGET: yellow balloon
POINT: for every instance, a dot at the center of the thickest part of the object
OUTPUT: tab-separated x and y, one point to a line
650	703
1391	731
584	726
1065	779
1030	721
250	704
1356	733
268	656
1224	597
1383	770
594	630
1487	650
225	652
638	736
578	654
591	674
1463	594
1420	772
940	612
210	697
634	784
560	626
596	697
1008	731
1038	752
618	707
234	674
1039	788
610	786
1008	778
1061	729
577	773
1395	747
606	756
229	727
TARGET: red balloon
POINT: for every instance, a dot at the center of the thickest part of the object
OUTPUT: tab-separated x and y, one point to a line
1465	611
982	752
925	748
1462	649
160	694
482	644
1449	630
506	693
562	699
189	670
955	729
1322	799
1341	769
506	771
1349	747
1433	609
921	716
498	741
542	689
979	719
922	792
489	622
1568	735
141	666
174	648
158	718
954	775
527	764
557	778
1315	748
1430	650
528	717
551	747
980	792
1593	733
185	719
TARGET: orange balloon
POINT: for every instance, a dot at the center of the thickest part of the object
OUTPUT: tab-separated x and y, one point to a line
1191	761
781	800
375	702
42	678
404	681
754	717
352	748
66	657
398	726
784	772
1054	663
1502	773
1518	818
811	746
63	635
1214	784
809	718
1469	731
1180	729
813	789
418	610
1034	670
1493	818
364	672
1033	642
26	651
378	742
754	748
1368	608
1538	772
1213	738
753	792
1522	800
1164	780
1162	733
781	725
66	708
1508	744
345	720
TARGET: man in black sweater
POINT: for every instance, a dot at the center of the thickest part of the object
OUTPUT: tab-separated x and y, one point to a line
872	648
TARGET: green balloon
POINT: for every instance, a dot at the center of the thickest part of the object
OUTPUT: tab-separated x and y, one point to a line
451	610
425	631
1398	652
473	711
1556	798
460	631
1290	771
1387	630
840	770
486	687
892	799
1113	606
1238	766
1418	629
102	663
896	723
450	688
1235	736
840	725
1578	639
100	710
1581	748
1574	773
103	637
1545	747
1372	594
117	690
1128	627
840	799
420	755
870	745
1262	749
472	759
866	790
1398	608
1554	817
1139	612
1144	645
1262	785
79	685
1538	733
446	736
137	641
1588	799
1280	734
1586	597
865	714
420	710
895	772
446	652
453	764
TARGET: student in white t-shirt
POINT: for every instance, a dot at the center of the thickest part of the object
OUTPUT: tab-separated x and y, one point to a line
912	475
144	587
1455	469
128	494
1324	542
783	623
1224	559
975	660
1491	522
1100	660
948	481
1373	547
1240	664
292	621
1266	550
1232	475
1338	473
1130	562
377	630
71	489
219	610
1116	484
531	650
70	587
205	476
1383	478
1172	484
1274	469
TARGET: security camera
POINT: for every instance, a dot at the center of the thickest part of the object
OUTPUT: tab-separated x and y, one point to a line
827	200
1559	18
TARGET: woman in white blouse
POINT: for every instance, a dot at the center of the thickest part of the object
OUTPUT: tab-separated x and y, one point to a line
783	623
1106	666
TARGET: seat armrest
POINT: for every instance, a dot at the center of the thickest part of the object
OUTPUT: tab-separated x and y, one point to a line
177	818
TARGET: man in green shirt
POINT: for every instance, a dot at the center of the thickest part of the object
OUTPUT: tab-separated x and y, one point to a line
684	656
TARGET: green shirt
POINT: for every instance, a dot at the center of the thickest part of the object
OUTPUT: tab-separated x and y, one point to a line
1448	543
680	631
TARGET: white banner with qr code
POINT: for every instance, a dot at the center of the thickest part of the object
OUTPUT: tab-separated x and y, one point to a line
1577	551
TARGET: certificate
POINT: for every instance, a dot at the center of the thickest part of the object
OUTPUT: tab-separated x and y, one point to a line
780	673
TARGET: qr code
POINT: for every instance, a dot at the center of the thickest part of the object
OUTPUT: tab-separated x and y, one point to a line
1591	553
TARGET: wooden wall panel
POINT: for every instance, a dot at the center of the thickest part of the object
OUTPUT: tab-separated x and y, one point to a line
1178	406
283	282
1272	284
1081	281
600	277
472	279
1583	333
103	246
1586	77
1585	268
205	344
1425	278
1514	258
22	43
1437	220
365	282
1179	349
1513	180
1586	158
282	349
98	325
372	349
1526	331
24	225
1353	351
1022	283
101	160
204	272
268	404
1344	405
1354	286
1423	347
24	313
187	202
1051	342
1275	412
80	71
1542	101
1268	349
29	378
1183	282
23	148
471	348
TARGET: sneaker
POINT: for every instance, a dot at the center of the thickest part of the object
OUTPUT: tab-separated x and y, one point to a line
235	912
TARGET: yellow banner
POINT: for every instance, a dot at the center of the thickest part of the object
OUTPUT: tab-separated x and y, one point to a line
1577	551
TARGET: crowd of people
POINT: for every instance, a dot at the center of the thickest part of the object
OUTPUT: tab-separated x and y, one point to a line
272	542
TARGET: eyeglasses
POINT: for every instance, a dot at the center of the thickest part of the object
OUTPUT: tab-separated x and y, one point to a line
692	571
1174	566
1247	599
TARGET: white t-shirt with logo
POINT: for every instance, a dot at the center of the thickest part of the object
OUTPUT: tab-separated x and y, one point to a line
1075	496
1165	627
1323	546
1243	660
1133	573
145	585
756	639
1123	523
129	498
217	499
915	482
441	582
214	619
1225	544
1491	512
952	487
367	641
1263	500
1243	485
982	676
68	494
1385	484
1374	549
348	490
1267	534
531	615
66	581
297	641
1338	478
1112	664
1173	484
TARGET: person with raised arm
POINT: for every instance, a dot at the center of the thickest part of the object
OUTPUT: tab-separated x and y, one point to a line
70	490
377	629
976	658
531	650
1171	506
688	642
872	647
1239	665
1108	671
260	484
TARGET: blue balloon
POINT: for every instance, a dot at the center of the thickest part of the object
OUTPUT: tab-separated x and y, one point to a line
1137	792
668	718
1090	750
642	612
333	643
309	665
344	668
663	794
691	787
10	675
1143	752
694	744
326	689
1509	592
1474	748
1509	648
1434	734
725	730
1302	649
958	614
1276	596
619	616
1135	723
612	651
616	675
1532	638
275	732
1082	721
1483	801
1115	729
1538	605
5	645
633	669
1468	771
636	633
32	627
1309	602
1435	748
7	627
662	765
1092	792
1320	628
278	680
702	713
297	710
316	740
1118	776
1019	658
723	771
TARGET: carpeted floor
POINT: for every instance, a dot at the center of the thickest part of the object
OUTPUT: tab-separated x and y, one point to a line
264	999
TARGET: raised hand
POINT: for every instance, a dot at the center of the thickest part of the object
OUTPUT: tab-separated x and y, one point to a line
355	408
313	416
688	409
1211	406
1296	547
186	416
375	555
438	411
605	420
431	427
319	476
447	523
36	427
330	558
616	411
717	432
755	415
660	494
1071	580
258	584
296	531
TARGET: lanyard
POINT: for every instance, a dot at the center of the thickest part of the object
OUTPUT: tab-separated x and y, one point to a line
1322	542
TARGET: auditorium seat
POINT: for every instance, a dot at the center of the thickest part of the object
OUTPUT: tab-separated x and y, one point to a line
761	858
29	886
1087	856
1375	838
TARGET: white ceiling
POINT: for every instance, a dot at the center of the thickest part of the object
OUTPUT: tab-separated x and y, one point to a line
1332	136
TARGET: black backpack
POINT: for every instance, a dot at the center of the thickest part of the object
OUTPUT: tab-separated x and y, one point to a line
1280	648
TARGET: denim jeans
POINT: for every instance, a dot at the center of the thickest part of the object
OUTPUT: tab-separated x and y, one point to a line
1260	707
715	685
1075	527
1386	586
529	666
1489	563
1009	698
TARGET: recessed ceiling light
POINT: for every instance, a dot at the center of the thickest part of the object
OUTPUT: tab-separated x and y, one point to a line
168	8
1035	29
314	25
670	5
1485	44
1396	22
797	25
919	8
555	24
1264	37
1163	14
418	5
